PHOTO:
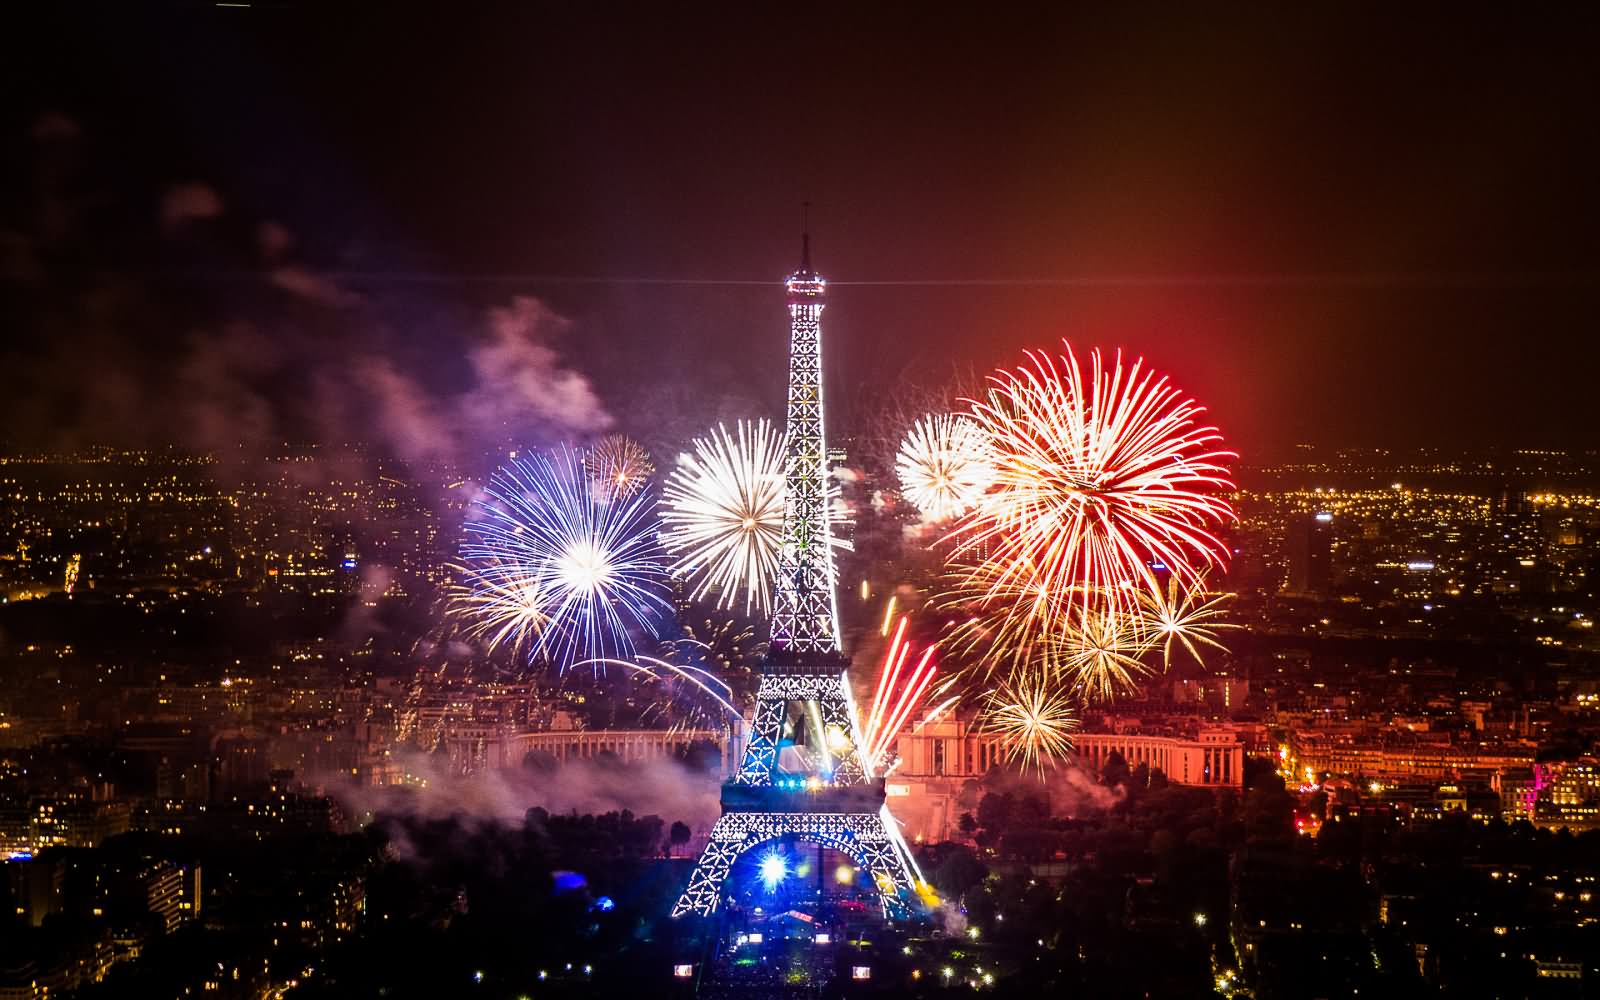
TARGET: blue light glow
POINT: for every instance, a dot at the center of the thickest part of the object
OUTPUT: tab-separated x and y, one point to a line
774	869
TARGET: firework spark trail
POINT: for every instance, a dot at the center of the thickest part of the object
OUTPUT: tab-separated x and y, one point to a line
905	703
729	645
938	711
892	701
540	534
724	516
648	666
618	467
886	676
944	466
1096	477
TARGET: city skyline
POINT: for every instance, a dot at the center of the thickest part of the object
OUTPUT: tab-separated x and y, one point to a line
1148	546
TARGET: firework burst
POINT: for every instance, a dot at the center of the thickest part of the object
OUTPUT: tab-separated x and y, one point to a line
618	467
724	516
501	605
1186	615
1098	477
944	466
559	570
1034	719
1102	656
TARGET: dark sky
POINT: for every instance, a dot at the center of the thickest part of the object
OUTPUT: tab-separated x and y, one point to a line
1327	223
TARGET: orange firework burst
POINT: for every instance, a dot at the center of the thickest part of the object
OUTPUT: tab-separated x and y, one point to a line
618	467
1187	616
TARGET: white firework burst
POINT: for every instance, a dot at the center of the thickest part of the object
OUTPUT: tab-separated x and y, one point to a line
944	465
724	513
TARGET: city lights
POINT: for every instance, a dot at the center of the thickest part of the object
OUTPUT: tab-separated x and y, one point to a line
430	504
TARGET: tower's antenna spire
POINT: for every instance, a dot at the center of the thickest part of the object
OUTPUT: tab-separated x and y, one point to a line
805	236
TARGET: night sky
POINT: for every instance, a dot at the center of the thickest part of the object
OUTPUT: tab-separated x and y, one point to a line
1330	226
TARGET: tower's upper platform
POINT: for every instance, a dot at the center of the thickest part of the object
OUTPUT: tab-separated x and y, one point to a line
805	285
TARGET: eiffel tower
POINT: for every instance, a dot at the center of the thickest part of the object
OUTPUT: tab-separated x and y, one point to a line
802	776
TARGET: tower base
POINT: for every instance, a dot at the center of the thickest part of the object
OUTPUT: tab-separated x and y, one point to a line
867	838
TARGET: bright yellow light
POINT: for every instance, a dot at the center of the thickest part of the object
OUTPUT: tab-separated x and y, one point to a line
844	874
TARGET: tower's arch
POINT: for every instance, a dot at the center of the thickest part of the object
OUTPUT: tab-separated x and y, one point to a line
862	837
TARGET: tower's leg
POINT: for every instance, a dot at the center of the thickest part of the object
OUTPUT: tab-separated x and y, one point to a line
836	714
761	752
704	893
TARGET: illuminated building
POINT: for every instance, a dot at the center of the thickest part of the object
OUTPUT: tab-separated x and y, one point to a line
627	745
1310	544
937	760
1572	799
801	774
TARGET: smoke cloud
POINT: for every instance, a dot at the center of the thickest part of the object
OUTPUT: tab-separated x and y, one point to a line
215	331
664	788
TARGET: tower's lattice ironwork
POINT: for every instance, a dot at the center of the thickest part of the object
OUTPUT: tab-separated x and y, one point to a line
804	683
805	613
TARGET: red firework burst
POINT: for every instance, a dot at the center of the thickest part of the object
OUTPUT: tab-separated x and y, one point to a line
1100	477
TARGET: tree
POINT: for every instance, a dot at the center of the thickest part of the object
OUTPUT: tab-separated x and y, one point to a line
1115	770
958	873
968	824
678	835
1269	809
1028	812
994	813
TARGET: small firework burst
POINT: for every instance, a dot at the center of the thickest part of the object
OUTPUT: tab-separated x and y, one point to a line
618	467
1103	655
1034	719
501	606
944	465
1186	615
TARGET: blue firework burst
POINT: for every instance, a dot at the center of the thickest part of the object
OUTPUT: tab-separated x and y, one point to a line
557	570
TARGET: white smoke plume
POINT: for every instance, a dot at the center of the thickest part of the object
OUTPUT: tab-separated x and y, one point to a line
662	788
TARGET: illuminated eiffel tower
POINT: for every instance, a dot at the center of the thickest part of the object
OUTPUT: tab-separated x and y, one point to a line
802	776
